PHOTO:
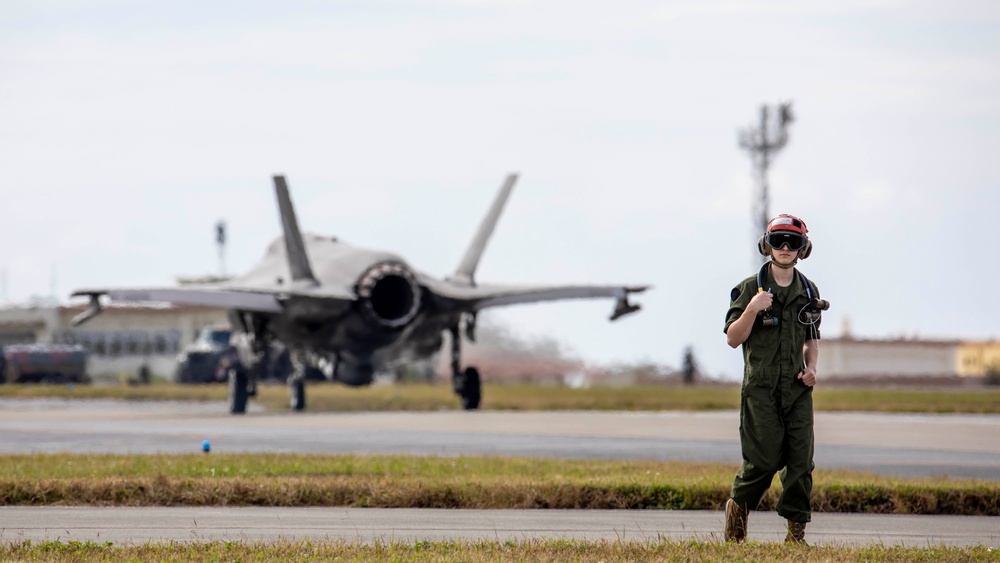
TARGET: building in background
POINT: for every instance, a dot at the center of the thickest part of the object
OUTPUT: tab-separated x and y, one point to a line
121	340
886	359
899	359
978	358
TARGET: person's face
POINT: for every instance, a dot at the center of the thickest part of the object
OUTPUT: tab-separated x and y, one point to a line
785	246
783	255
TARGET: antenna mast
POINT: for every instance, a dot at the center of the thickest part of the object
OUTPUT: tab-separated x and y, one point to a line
220	239
763	143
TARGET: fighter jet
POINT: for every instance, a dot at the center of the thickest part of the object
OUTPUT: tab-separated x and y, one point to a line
350	311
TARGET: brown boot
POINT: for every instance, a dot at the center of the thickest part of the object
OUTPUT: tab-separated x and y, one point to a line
736	521
796	533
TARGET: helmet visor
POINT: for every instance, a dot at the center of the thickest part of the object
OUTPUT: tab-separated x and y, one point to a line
777	239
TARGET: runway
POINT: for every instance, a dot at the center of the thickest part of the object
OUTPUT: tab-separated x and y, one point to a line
124	526
954	446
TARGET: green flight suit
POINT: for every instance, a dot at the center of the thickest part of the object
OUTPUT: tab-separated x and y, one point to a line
776	408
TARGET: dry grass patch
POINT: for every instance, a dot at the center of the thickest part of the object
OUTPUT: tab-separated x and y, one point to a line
446	482
529	550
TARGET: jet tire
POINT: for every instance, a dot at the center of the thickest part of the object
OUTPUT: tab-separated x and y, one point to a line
237	390
472	392
297	393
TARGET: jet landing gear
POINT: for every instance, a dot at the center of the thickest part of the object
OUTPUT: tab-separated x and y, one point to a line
239	392
242	380
297	381
246	360
467	386
297	393
465	383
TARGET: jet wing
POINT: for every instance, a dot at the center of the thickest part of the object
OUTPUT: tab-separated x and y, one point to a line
222	298
204	295
249	298
460	290
474	298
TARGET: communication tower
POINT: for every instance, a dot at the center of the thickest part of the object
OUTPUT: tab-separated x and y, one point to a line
220	240
763	142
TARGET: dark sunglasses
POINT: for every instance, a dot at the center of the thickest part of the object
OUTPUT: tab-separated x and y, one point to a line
779	239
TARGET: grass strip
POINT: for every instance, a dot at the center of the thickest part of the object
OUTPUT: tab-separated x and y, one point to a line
527	550
446	482
325	397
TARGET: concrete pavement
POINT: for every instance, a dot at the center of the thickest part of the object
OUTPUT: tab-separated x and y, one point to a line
131	525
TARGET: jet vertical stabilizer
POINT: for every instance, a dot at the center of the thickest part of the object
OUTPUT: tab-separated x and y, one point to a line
298	261
467	268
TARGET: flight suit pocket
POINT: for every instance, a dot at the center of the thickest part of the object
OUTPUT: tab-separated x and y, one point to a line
758	377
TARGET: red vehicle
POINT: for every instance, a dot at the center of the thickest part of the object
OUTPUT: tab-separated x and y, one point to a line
43	363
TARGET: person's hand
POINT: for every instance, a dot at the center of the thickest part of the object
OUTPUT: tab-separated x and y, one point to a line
761	301
808	376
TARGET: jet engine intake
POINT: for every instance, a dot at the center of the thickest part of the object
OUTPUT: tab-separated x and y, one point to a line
389	295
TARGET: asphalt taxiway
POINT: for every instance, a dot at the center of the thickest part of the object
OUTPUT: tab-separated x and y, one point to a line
906	445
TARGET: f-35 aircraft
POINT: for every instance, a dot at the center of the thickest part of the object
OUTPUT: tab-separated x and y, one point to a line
351	311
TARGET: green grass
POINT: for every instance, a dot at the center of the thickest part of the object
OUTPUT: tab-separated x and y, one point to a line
447	482
326	397
454	482
446	551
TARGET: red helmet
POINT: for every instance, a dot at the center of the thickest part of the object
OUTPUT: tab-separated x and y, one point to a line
786	229
786	222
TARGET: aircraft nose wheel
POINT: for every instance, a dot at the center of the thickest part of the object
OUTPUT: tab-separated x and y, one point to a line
469	388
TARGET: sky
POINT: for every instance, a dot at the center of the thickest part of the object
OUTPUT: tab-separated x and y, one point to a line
127	130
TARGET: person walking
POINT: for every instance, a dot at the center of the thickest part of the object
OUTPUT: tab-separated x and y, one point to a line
775	316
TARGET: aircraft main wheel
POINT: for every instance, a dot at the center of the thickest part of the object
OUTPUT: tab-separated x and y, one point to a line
297	393
237	391
472	392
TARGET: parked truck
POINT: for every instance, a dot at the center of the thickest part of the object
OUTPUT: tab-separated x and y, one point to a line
199	362
207	359
43	363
